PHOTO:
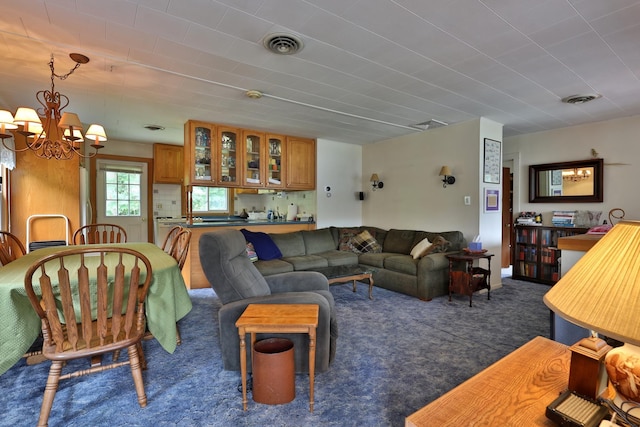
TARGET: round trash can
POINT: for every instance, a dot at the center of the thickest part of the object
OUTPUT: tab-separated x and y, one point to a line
274	380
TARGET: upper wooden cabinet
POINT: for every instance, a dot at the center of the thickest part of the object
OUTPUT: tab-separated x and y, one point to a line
254	174
229	149
301	164
230	157
276	156
168	165
199	154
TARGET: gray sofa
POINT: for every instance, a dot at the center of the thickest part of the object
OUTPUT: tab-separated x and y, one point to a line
395	268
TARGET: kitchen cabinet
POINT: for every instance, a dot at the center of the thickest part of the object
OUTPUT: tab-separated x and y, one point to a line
276	159
254	172
300	164
199	154
230	156
216	155
537	257
168	165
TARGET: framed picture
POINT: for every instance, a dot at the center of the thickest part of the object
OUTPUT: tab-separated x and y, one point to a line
556	177
491	200
491	166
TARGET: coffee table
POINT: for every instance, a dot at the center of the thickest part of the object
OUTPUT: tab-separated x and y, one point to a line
348	273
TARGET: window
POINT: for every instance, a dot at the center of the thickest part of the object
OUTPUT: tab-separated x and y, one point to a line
211	199
122	191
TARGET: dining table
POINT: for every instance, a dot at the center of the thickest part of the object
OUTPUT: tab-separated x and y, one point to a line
167	301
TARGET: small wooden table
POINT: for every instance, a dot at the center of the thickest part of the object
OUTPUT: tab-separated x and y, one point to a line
515	391
278	318
473	279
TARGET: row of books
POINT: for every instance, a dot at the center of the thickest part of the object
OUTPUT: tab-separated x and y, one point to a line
547	255
550	272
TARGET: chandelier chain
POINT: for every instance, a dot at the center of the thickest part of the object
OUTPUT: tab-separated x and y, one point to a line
60	76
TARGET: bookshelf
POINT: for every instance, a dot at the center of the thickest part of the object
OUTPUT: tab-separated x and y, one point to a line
536	254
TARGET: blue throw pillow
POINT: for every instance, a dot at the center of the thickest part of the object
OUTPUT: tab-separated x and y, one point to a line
263	244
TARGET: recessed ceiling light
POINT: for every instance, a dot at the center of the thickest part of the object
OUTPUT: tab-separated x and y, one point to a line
581	99
283	44
154	127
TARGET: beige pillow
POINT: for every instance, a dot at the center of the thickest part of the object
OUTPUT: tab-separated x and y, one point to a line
418	249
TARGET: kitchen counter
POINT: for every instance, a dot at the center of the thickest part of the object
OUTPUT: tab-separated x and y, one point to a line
245	222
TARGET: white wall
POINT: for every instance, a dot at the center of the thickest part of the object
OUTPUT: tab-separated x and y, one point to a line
339	166
490	223
413	196
616	141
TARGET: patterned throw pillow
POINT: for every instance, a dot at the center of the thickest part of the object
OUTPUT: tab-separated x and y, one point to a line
345	236
364	242
251	252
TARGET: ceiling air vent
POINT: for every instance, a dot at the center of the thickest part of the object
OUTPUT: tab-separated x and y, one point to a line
154	127
283	44
580	99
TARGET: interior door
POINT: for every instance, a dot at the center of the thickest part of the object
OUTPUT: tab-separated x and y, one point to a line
121	196
507	217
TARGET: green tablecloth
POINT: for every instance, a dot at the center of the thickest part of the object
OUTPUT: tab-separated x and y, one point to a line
167	302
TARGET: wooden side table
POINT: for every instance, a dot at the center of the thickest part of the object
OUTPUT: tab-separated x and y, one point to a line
473	279
278	318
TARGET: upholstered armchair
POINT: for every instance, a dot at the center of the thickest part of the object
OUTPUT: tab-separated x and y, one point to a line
237	282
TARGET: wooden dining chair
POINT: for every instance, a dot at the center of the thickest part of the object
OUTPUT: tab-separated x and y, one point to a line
11	248
179	249
91	302
168	241
99	233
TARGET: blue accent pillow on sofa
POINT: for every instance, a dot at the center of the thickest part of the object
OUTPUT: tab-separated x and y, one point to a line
263	244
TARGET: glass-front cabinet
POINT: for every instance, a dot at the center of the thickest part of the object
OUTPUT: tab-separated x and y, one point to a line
200	159
229	156
275	161
224	156
253	158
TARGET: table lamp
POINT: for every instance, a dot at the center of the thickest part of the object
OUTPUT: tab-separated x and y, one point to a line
601	292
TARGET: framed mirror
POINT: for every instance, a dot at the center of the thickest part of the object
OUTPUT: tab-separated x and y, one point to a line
566	182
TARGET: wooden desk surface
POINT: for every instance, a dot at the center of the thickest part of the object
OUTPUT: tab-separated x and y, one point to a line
579	242
514	391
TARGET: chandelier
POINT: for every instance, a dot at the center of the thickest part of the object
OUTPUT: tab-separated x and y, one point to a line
51	133
576	174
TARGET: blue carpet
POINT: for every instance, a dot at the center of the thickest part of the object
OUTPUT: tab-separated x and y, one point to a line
395	354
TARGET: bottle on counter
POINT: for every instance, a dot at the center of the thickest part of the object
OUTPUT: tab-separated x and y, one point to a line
244	214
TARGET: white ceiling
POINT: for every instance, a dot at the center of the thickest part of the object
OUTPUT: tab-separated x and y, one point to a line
369	70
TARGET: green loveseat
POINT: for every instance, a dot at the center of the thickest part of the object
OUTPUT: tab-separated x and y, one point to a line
395	268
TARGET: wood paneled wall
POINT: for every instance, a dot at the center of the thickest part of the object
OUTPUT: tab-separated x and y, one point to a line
40	187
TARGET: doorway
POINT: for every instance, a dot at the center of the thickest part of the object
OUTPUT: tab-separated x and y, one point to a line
120	192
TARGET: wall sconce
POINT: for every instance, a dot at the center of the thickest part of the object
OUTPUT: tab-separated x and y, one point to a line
375	182
448	179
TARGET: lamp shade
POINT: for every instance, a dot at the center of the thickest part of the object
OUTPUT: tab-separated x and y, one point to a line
374	178
6	120
26	115
77	135
96	133
445	171
601	291
70	120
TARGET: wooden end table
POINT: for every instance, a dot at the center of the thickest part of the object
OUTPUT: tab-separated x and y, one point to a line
278	318
473	279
